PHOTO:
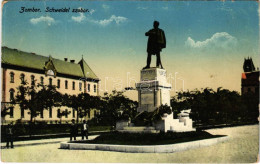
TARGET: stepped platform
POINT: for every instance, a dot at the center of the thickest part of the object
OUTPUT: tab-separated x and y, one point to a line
139	129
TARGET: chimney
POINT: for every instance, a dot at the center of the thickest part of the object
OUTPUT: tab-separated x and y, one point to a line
72	61
65	59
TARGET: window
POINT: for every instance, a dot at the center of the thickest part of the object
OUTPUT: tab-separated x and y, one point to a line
50	81
42	81
58	113
22	77
22	113
11	112
73	113
58	83
95	88
80	86
11	77
66	111
88	87
50	112
32	80
73	85
41	113
66	84
50	73
11	94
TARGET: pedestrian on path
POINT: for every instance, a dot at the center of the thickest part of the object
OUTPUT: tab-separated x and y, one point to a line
9	135
73	130
84	130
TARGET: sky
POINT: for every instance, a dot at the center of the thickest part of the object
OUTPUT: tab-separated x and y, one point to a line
207	41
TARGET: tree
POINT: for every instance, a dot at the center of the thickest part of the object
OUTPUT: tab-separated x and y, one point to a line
209	106
28	99
62	113
116	106
50	97
82	103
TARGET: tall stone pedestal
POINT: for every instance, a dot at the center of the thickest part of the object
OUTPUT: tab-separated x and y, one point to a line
153	89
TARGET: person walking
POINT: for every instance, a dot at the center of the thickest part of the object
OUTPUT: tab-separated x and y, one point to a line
84	130
9	135
73	130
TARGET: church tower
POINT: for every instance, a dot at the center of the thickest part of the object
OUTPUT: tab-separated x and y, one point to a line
248	65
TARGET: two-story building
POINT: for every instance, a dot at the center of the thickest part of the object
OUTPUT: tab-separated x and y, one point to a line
69	77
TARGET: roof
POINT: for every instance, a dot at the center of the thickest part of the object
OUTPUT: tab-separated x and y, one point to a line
87	71
34	61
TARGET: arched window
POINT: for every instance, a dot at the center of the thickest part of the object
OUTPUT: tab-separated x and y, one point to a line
50	112
42	80
50	81
88	87
22	113
80	86
11	112
32	80
73	113
58	113
67	113
22	77
58	83
66	84
11	77
41	113
95	88
11	94
73	85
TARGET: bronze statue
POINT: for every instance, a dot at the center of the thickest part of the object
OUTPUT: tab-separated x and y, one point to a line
156	42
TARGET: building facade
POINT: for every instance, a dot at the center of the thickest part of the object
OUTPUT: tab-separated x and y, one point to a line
69	77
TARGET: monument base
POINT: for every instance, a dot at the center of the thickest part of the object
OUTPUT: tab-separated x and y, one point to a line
182	124
167	124
153	92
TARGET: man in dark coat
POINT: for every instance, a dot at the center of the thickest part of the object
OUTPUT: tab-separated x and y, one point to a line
156	42
9	135
73	130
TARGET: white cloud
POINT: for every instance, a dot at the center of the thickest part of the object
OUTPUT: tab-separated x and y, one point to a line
92	11
218	40
165	8
47	19
79	18
142	8
104	22
105	6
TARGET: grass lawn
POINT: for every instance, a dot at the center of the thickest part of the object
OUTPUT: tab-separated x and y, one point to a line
118	138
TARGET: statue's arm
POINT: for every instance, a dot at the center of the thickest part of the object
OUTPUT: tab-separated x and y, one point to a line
149	33
164	39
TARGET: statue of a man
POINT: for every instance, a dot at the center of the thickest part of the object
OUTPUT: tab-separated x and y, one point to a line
156	42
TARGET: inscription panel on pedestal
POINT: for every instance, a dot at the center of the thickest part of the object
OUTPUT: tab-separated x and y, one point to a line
147	98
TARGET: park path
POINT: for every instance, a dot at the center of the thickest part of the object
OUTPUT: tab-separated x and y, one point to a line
242	147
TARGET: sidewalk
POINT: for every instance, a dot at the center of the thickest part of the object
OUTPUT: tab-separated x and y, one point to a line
43	141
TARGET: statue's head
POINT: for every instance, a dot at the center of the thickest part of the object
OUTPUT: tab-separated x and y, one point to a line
156	24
